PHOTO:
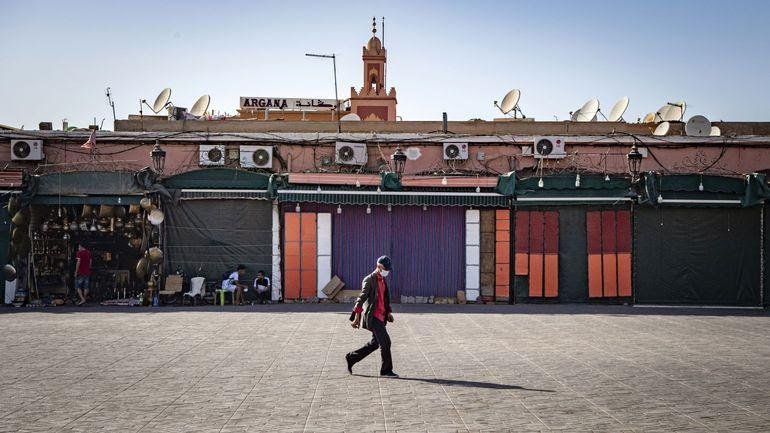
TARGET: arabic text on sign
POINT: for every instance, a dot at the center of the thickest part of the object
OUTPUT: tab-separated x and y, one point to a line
287	103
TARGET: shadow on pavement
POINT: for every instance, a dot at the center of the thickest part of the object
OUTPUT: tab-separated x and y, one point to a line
465	383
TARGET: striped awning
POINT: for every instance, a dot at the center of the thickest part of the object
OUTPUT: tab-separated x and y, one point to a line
11	179
225	194
395	198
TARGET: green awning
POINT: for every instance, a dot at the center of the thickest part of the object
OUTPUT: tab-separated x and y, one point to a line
85	183
395	198
218	178
704	190
565	189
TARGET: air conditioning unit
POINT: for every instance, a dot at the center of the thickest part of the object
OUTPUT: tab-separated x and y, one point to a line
27	150
256	156
211	154
348	153
455	151
548	148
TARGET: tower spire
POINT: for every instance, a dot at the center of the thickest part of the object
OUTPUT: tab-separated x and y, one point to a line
374	26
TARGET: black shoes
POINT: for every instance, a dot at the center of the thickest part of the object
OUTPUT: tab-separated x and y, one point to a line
350	363
389	374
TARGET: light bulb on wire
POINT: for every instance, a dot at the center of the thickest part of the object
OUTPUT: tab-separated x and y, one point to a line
444	181
540	183
577	181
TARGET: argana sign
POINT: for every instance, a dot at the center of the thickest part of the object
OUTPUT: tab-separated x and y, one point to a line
261	102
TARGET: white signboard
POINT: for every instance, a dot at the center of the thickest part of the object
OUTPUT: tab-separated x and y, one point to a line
262	103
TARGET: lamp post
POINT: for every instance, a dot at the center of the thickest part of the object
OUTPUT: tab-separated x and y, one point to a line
158	156
336	98
399	161
634	158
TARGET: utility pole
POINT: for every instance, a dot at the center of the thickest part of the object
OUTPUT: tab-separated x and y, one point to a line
336	97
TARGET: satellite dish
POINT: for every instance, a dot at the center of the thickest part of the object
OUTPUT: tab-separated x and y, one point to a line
682	107
510	101
162	100
352	117
698	126
715	131
662	114
616	114
201	105
661	129
511	104
587	112
671	112
648	118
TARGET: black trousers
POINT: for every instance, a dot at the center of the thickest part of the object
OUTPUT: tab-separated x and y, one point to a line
263	297
381	340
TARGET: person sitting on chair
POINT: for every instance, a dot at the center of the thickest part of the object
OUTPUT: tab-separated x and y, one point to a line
262	285
232	285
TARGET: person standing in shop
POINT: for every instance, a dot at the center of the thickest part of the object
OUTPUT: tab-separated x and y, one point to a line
374	293
82	272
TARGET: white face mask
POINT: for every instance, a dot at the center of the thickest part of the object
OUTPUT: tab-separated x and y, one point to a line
384	273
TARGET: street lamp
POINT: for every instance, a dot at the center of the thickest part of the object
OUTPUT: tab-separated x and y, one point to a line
158	157
634	163
399	161
336	98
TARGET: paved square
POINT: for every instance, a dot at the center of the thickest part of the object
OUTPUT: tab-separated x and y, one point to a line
464	368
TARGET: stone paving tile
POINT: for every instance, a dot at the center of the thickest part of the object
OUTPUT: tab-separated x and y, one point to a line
464	368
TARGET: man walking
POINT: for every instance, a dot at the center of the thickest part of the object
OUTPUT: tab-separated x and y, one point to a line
374	293
82	272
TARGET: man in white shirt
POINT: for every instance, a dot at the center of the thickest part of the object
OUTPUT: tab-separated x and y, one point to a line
231	284
262	285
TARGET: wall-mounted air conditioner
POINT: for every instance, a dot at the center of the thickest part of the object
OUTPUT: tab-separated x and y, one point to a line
349	153
256	156
211	154
548	148
27	150
455	151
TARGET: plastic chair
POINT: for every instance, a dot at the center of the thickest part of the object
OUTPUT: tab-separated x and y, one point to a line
197	288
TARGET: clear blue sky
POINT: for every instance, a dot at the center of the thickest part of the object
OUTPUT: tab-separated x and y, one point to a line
58	57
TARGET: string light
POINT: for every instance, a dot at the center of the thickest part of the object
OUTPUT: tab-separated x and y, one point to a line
540	183
478	189
660	198
389	208
297	208
444	181
577	181
368	209
358	183
606	177
339	209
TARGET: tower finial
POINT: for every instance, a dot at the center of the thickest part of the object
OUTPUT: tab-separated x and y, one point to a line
374	25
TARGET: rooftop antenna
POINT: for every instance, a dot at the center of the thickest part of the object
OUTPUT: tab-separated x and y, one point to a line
511	103
111	102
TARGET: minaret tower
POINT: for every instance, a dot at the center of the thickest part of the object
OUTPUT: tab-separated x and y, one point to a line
373	102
